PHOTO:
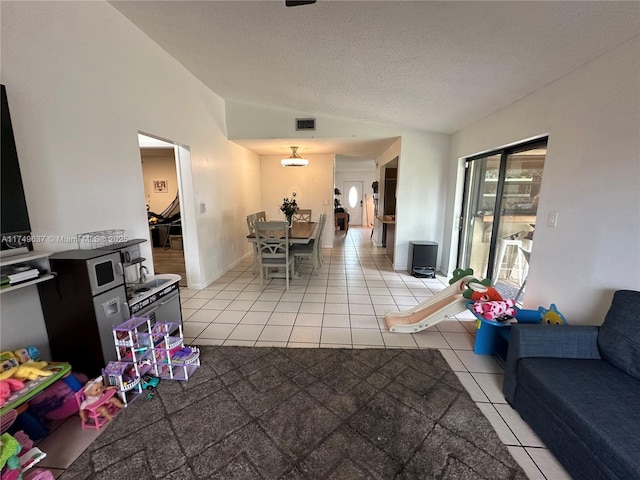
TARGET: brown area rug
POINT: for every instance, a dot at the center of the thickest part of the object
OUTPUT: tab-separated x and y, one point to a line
279	413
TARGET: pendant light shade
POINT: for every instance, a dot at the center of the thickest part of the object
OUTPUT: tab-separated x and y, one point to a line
294	160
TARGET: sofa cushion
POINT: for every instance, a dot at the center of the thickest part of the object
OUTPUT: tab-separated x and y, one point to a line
619	337
586	407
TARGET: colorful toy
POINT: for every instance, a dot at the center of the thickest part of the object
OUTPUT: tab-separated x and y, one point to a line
58	401
481	290
185	353
18	455
10	448
23	355
492	310
23	439
551	316
27	371
149	383
7	386
459	274
97	403
444	304
20	365
8	361
34	353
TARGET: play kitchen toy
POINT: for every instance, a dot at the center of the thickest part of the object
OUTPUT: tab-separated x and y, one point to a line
95	290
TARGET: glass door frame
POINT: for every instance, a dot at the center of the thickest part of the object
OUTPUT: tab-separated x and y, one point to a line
464	240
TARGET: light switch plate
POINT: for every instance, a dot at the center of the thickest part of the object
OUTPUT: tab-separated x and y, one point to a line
552	221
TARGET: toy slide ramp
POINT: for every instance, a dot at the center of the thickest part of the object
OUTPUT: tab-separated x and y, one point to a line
441	306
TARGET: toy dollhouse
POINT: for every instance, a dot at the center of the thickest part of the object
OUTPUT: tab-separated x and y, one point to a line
146	348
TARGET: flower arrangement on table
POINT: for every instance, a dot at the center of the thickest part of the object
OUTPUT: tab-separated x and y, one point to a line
289	207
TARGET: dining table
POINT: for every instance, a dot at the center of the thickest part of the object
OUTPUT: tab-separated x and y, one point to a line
300	232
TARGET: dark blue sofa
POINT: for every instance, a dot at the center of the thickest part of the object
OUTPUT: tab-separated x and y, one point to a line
578	387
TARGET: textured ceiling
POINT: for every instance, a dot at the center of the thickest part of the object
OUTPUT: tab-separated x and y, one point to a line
436	66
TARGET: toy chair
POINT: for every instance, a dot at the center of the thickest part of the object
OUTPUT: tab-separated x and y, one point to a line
38	474
94	412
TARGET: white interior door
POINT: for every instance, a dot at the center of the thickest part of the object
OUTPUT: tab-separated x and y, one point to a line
353	200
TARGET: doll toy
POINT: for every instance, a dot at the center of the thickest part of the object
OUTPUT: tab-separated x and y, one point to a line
96	400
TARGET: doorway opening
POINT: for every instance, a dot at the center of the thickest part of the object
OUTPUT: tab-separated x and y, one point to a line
501	194
161	179
388	197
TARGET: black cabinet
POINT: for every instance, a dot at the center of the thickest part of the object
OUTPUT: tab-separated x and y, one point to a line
422	259
80	322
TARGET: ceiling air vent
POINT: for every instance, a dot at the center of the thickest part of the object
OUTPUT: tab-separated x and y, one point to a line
305	123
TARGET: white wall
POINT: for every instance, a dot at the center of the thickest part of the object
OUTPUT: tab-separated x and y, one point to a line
81	82
313	186
591	178
421	192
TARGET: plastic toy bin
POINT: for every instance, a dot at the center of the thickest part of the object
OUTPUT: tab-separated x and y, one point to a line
493	337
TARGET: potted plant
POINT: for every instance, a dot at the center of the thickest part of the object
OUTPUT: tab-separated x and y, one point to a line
289	207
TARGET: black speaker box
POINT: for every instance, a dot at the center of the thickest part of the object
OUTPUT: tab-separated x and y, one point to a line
422	258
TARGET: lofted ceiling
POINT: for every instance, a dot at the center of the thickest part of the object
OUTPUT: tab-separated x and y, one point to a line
353	149
434	66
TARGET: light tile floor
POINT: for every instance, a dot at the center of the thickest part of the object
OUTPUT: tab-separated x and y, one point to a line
343	306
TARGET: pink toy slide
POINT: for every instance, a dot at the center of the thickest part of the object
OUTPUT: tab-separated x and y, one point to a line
441	306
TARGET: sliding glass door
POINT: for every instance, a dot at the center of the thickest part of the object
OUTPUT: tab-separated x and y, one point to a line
499	214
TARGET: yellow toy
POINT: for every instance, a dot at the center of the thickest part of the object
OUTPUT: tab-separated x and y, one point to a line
31	371
27	371
20	364
23	355
8	360
551	316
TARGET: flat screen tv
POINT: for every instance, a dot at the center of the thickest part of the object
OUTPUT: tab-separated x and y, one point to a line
14	222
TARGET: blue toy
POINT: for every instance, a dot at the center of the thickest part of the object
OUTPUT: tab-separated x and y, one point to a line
150	383
551	316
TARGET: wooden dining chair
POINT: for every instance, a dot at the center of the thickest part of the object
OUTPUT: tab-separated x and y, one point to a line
273	249
312	249
251	220
302	215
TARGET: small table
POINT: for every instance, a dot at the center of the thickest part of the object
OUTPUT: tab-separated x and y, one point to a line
344	216
492	337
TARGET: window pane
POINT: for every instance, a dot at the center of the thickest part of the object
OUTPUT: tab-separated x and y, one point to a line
353	197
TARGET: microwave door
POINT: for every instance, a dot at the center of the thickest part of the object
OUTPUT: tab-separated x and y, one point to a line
105	272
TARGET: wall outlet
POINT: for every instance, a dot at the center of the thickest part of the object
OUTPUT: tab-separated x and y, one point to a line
203	207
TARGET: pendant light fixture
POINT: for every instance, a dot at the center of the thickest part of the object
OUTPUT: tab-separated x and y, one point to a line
294	160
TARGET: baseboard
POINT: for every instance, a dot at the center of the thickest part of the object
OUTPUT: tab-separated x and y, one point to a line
198	286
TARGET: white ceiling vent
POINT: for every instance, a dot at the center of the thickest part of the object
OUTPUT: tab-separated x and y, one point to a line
305	123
